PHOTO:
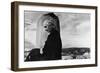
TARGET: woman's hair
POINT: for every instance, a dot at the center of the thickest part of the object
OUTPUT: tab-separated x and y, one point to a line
51	15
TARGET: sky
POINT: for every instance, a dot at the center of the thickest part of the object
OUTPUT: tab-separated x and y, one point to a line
75	28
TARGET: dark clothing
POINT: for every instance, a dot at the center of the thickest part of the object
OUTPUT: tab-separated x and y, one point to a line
53	46
34	55
51	51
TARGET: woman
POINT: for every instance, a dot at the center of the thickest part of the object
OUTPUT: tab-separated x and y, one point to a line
53	46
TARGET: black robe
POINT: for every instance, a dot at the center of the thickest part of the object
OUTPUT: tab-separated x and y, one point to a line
53	46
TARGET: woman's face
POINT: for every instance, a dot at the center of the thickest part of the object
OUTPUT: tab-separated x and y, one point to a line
48	25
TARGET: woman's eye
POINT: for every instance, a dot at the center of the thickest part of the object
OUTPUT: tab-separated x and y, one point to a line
45	26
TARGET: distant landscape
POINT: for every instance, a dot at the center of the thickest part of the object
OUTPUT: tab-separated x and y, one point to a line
70	53
75	53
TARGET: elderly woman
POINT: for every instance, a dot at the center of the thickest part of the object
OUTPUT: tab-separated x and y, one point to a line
53	46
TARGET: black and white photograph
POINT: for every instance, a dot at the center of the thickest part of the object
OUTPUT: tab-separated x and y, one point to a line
53	36
56	36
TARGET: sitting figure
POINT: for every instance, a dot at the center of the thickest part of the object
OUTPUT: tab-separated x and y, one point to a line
53	46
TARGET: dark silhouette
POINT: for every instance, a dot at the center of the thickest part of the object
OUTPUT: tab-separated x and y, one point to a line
53	46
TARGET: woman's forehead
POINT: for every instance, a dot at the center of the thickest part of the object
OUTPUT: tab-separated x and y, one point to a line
46	21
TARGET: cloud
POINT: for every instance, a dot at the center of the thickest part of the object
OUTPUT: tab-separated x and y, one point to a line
77	36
